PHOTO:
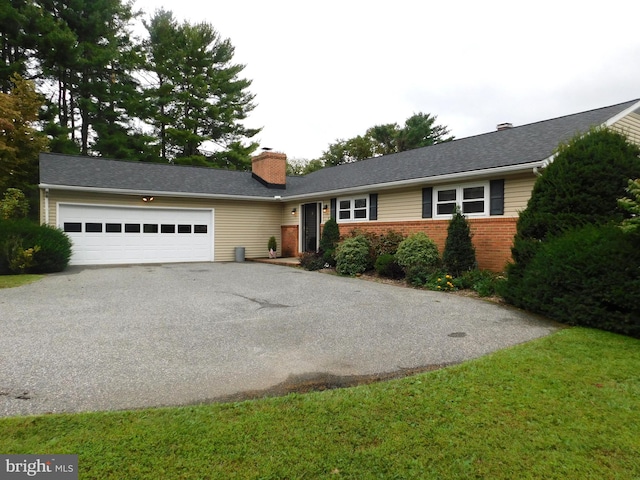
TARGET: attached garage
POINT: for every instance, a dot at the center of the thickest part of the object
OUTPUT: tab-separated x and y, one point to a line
105	235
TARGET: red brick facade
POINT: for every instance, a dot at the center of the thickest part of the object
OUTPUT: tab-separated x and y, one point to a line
492	237
289	236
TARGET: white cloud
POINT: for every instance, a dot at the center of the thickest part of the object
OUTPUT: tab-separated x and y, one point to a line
333	69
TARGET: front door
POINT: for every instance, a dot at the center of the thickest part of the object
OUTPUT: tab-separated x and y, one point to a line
310	227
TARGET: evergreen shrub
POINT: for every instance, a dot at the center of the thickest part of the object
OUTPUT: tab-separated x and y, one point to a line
328	241
459	254
419	257
590	276
582	185
352	255
48	248
386	266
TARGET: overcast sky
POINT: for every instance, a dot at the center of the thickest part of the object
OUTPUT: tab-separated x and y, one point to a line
332	69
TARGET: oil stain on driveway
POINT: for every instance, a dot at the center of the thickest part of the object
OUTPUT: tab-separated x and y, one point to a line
154	335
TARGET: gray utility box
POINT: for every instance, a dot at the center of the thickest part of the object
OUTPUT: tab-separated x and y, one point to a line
239	254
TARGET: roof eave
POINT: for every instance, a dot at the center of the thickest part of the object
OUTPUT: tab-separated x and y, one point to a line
439	179
157	193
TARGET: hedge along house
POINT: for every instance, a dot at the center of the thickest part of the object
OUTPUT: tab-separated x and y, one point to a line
119	212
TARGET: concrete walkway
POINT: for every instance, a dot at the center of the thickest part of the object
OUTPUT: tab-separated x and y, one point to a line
145	336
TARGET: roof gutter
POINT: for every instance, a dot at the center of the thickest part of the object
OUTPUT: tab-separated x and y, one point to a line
490	172
120	191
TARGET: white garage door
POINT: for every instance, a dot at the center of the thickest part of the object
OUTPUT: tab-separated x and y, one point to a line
104	235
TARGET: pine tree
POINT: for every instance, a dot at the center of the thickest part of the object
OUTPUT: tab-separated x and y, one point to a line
459	254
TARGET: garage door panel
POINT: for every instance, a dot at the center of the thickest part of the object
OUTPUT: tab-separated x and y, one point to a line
111	235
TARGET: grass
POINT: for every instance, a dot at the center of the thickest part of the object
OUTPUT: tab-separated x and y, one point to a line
564	406
10	281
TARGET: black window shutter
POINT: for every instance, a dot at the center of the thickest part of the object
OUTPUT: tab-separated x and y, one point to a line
496	197
373	206
334	206
427	202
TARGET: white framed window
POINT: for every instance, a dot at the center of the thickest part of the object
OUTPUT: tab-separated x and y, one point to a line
472	200
354	209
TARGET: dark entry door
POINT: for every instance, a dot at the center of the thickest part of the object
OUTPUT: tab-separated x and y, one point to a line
310	227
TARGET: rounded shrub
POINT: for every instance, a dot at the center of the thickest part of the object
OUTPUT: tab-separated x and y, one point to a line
49	248
352	255
590	276
55	250
386	266
419	257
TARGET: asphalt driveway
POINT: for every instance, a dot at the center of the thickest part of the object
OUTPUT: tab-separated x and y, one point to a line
143	336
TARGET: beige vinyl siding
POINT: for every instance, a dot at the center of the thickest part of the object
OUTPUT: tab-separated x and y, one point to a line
630	126
246	224
287	218
398	205
517	191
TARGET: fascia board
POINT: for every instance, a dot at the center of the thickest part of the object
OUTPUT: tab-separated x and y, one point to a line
622	114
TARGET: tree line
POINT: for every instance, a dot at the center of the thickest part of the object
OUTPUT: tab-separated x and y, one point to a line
173	95
419	130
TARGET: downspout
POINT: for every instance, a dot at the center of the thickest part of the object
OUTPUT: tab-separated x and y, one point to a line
46	206
536	172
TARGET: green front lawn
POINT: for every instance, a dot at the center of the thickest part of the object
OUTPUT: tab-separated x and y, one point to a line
10	281
565	406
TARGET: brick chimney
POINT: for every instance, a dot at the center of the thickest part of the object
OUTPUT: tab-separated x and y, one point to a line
270	169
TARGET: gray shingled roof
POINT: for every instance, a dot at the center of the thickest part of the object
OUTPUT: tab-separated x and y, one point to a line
515	146
78	171
521	145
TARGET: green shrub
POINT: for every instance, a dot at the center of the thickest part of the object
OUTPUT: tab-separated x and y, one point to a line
581	186
386	266
386	243
459	254
54	246
631	205
272	244
311	261
328	241
441	282
330	235
352	255
419	257
55	250
589	276
486	283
